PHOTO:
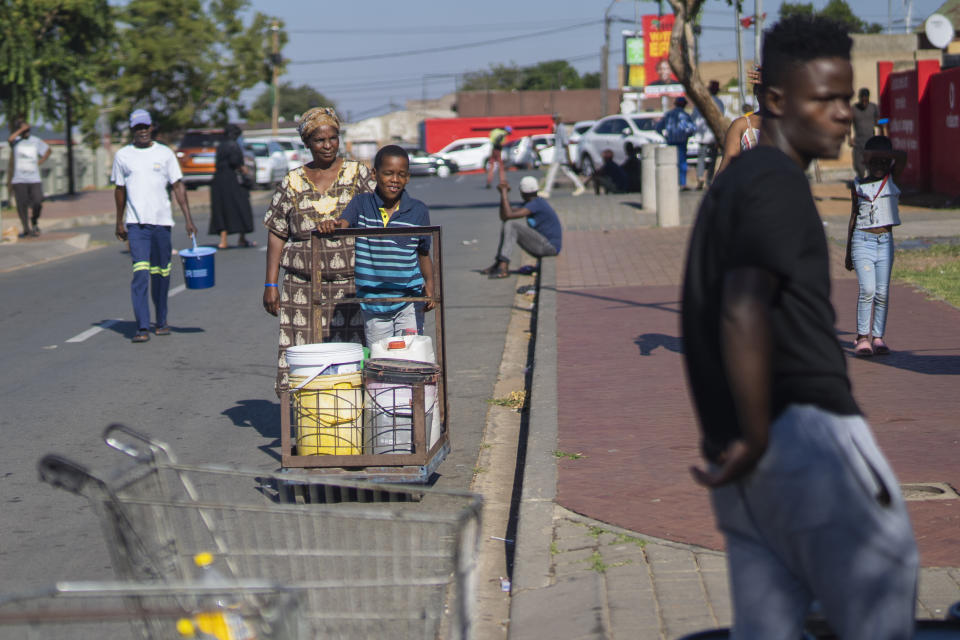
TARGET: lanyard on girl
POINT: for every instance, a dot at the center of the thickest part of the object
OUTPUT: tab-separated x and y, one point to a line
873	200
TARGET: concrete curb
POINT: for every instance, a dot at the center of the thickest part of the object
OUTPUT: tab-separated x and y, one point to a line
531	568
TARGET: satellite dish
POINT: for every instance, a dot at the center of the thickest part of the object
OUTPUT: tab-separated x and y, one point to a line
939	30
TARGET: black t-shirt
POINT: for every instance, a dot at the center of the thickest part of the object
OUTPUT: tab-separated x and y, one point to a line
760	213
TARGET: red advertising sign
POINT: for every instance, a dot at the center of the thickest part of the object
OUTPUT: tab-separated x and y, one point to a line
943	95
905	123
656	37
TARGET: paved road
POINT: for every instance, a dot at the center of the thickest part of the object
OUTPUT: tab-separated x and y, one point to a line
206	389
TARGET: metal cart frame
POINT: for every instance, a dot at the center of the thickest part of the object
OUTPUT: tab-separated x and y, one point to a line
416	467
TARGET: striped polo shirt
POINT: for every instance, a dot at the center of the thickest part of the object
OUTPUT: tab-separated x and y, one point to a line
388	267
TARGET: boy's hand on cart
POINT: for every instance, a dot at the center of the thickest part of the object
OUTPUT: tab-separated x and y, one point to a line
271	300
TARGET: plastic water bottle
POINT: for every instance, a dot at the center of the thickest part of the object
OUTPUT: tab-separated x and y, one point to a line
220	617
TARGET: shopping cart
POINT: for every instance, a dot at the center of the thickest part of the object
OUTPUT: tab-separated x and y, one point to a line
107	610
397	569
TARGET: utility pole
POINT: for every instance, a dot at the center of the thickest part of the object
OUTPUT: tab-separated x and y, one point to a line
71	187
740	76
605	61
275	60
757	30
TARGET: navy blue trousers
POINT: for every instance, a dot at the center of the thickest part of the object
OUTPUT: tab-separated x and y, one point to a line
150	251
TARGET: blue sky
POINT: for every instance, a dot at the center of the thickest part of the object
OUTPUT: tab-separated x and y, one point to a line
321	31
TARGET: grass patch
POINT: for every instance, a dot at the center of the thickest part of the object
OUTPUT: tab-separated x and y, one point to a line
567	455
596	531
515	400
478	470
623	538
554	549
597	564
935	269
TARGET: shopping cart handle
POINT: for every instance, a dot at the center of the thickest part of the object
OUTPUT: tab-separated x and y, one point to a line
131	448
62	473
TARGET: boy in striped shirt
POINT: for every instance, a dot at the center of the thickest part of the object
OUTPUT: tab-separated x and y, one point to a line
389	267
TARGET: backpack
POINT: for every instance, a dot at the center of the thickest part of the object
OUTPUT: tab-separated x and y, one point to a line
677	127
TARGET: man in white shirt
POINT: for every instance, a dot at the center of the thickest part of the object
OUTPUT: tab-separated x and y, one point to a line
28	154
561	160
141	172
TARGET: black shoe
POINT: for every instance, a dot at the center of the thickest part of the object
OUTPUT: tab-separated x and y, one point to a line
23	235
491	269
35	232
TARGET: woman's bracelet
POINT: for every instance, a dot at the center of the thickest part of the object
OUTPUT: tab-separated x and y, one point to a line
270	284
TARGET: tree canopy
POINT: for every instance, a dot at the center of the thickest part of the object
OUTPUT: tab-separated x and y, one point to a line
294	101
52	51
837	10
187	61
554	74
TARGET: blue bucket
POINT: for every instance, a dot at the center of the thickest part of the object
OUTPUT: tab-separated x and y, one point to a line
198	271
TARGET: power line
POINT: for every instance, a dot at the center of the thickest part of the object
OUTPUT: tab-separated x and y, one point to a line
433	29
397	54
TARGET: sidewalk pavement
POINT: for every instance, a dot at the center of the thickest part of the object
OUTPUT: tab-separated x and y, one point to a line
63	217
615	539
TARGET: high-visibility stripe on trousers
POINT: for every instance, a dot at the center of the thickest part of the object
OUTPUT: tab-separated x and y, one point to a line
150	250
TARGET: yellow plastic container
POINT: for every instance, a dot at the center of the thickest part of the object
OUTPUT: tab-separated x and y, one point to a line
328	414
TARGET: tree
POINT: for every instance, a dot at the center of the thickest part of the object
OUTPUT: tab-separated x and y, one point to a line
294	101
187	61
837	10
51	54
553	74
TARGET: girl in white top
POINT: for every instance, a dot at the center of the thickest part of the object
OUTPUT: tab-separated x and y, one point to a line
874	213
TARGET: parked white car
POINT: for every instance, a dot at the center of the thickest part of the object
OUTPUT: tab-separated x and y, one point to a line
577	130
529	152
296	153
467	153
270	158
613	131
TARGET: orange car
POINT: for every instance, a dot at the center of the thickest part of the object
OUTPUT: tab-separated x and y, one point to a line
197	154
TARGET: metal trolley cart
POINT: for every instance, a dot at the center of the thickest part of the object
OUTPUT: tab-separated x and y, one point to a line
339	429
393	570
107	610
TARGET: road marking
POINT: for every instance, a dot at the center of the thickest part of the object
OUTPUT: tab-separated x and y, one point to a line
459	179
262	249
178	289
92	331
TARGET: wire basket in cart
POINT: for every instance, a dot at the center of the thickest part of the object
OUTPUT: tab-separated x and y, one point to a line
401	568
125	610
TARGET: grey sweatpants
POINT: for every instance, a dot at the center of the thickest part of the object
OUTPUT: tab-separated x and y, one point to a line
517	231
807	525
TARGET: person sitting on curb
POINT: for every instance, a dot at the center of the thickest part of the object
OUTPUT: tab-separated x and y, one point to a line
535	227
610	176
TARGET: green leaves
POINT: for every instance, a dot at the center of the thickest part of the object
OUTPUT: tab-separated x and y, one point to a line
553	74
294	101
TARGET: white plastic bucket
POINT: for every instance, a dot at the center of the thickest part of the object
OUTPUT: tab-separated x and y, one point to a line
418	348
328	358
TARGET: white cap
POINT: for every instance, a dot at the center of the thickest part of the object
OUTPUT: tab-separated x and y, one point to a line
529	184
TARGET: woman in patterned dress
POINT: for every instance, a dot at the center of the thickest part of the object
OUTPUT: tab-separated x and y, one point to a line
317	191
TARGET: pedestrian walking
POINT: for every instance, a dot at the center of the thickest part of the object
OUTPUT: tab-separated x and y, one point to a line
28	153
142	171
230	210
866	117
534	226
874	214
561	160
391	267
677	127
707	153
808	504
317	191
498	136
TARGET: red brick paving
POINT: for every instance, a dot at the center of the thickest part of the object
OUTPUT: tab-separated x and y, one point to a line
630	414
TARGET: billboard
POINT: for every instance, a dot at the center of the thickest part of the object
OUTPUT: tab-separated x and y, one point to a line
659	78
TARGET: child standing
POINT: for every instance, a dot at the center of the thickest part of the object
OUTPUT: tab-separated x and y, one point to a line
874	214
389	267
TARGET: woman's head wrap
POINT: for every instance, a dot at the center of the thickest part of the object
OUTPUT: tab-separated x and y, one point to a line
315	118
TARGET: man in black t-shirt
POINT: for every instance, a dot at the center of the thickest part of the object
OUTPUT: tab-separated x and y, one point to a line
807	503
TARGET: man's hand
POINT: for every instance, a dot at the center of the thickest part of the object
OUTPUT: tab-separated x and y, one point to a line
737	461
503	187
121	232
271	300
191	228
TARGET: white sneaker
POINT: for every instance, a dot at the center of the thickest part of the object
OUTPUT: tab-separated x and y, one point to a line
578	191
544	194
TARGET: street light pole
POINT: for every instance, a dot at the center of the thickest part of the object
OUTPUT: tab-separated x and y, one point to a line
604	61
757	30
740	77
275	114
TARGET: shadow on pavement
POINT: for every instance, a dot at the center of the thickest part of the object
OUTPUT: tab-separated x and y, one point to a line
672	306
647	342
912	361
262	415
128	328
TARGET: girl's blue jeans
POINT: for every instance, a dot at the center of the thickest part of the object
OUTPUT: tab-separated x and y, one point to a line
873	259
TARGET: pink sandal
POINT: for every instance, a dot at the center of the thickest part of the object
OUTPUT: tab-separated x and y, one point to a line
863	347
880	347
